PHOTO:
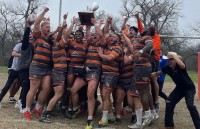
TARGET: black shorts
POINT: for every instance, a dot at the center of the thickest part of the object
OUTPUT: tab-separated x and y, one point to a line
124	84
39	71
128	86
109	81
58	76
142	74
155	65
92	73
77	71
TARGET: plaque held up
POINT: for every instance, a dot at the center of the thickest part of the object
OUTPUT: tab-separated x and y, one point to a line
85	17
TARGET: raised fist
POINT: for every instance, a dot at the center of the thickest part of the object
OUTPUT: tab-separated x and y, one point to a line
109	19
126	19
65	16
46	9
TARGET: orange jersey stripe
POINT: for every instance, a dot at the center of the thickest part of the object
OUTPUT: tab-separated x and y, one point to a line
93	59
42	50
77	53
112	67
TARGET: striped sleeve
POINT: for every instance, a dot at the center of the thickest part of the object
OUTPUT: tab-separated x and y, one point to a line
116	52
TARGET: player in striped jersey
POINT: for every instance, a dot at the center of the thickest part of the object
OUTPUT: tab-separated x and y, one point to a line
111	58
58	73
40	68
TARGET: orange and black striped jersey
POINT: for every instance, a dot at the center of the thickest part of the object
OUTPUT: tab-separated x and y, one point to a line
126	71
59	55
42	50
112	67
145	57
77	52
93	59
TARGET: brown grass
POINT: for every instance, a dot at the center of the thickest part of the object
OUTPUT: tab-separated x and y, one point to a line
10	118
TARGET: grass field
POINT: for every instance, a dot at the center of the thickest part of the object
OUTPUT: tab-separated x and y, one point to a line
10	118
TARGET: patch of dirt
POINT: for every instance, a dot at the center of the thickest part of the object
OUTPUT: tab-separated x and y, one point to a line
10	118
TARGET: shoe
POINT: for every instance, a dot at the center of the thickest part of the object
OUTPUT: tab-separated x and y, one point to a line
134	126
27	115
118	121
147	120
157	107
37	113
155	116
133	119
68	114
11	100
89	124
22	110
18	104
102	123
111	118
76	113
45	119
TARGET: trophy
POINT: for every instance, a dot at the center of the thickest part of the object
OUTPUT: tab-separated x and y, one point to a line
85	17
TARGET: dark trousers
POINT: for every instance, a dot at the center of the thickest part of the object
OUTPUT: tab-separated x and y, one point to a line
161	93
25	82
11	77
175	96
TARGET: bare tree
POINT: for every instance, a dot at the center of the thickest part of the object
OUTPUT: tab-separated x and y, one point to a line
13	14
128	8
196	28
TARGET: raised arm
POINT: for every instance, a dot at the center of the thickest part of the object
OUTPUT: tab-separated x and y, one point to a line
124	23
65	19
59	36
69	31
128	42
139	22
39	20
25	41
88	33
179	62
64	22
107	25
98	31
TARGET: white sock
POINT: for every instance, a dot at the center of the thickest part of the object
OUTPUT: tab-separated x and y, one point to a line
38	106
28	109
139	116
105	116
90	117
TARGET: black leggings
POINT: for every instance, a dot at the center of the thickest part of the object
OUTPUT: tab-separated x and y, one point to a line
161	93
175	96
25	82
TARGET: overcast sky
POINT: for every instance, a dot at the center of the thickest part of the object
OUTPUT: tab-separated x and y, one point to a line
190	10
